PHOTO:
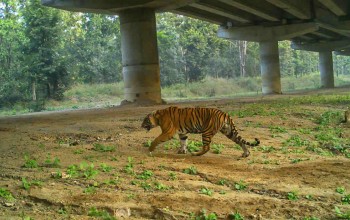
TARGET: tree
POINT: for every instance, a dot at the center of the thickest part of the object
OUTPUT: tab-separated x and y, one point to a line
44	66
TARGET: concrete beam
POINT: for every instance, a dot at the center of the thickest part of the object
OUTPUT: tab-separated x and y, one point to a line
338	7
199	14
322	46
220	11
298	8
261	33
342	52
252	7
175	4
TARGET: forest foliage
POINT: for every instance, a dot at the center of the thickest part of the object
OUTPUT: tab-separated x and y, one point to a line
45	51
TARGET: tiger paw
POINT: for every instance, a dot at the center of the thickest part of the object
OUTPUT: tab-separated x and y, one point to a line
182	151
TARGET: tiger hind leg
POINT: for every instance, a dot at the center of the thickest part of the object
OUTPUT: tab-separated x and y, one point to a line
232	134
206	140
183	142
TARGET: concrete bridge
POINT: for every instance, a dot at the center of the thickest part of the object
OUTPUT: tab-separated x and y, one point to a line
313	25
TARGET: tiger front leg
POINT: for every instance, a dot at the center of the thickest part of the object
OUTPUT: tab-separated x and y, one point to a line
183	142
160	139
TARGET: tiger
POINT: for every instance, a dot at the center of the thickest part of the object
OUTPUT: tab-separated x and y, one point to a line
197	120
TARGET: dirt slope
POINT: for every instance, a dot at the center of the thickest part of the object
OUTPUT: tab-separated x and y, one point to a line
167	185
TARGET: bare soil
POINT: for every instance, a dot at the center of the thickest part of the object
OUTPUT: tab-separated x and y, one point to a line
168	192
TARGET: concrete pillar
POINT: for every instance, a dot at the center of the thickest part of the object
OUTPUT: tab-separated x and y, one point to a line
270	67
140	56
326	69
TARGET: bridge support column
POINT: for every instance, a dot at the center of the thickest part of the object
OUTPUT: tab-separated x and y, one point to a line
270	67
326	69
140	56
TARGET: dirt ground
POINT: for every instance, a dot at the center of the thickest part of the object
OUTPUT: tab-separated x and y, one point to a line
130	184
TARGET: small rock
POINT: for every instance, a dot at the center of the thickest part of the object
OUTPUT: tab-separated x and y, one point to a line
122	213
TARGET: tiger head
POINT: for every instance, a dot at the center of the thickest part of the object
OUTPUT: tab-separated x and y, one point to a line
150	121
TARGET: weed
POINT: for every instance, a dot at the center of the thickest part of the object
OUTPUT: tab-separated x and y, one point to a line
146	186
341	214
147	143
277	129
194	146
345	199
78	151
52	163
241	185
206	191
330	117
293	196
340	190
311	218
129	168
222	182
295	141
235	216
161	186
103	148
296	160
192	170
217	148
204	216
25	184
309	197
94	212
105	168
88	170
73	171
90	190
172	176
4	193
145	175
62	211
30	163
266	149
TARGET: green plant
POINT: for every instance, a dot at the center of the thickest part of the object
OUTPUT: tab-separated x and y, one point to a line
129	168
311	218
160	186
340	190
103	148
235	216
293	196
73	171
217	148
241	185
145	175
147	143
222	182
94	212
345	199
25	184
62	211
30	163
192	170
172	176
206	191
90	190
194	146
341	214
4	193
277	129
295	141
204	216
330	117
52	163
266	149
88	170
78	151
105	168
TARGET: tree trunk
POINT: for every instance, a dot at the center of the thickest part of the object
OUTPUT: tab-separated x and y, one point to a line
242	45
33	91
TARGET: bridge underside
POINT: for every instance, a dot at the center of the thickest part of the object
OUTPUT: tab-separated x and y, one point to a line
313	25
